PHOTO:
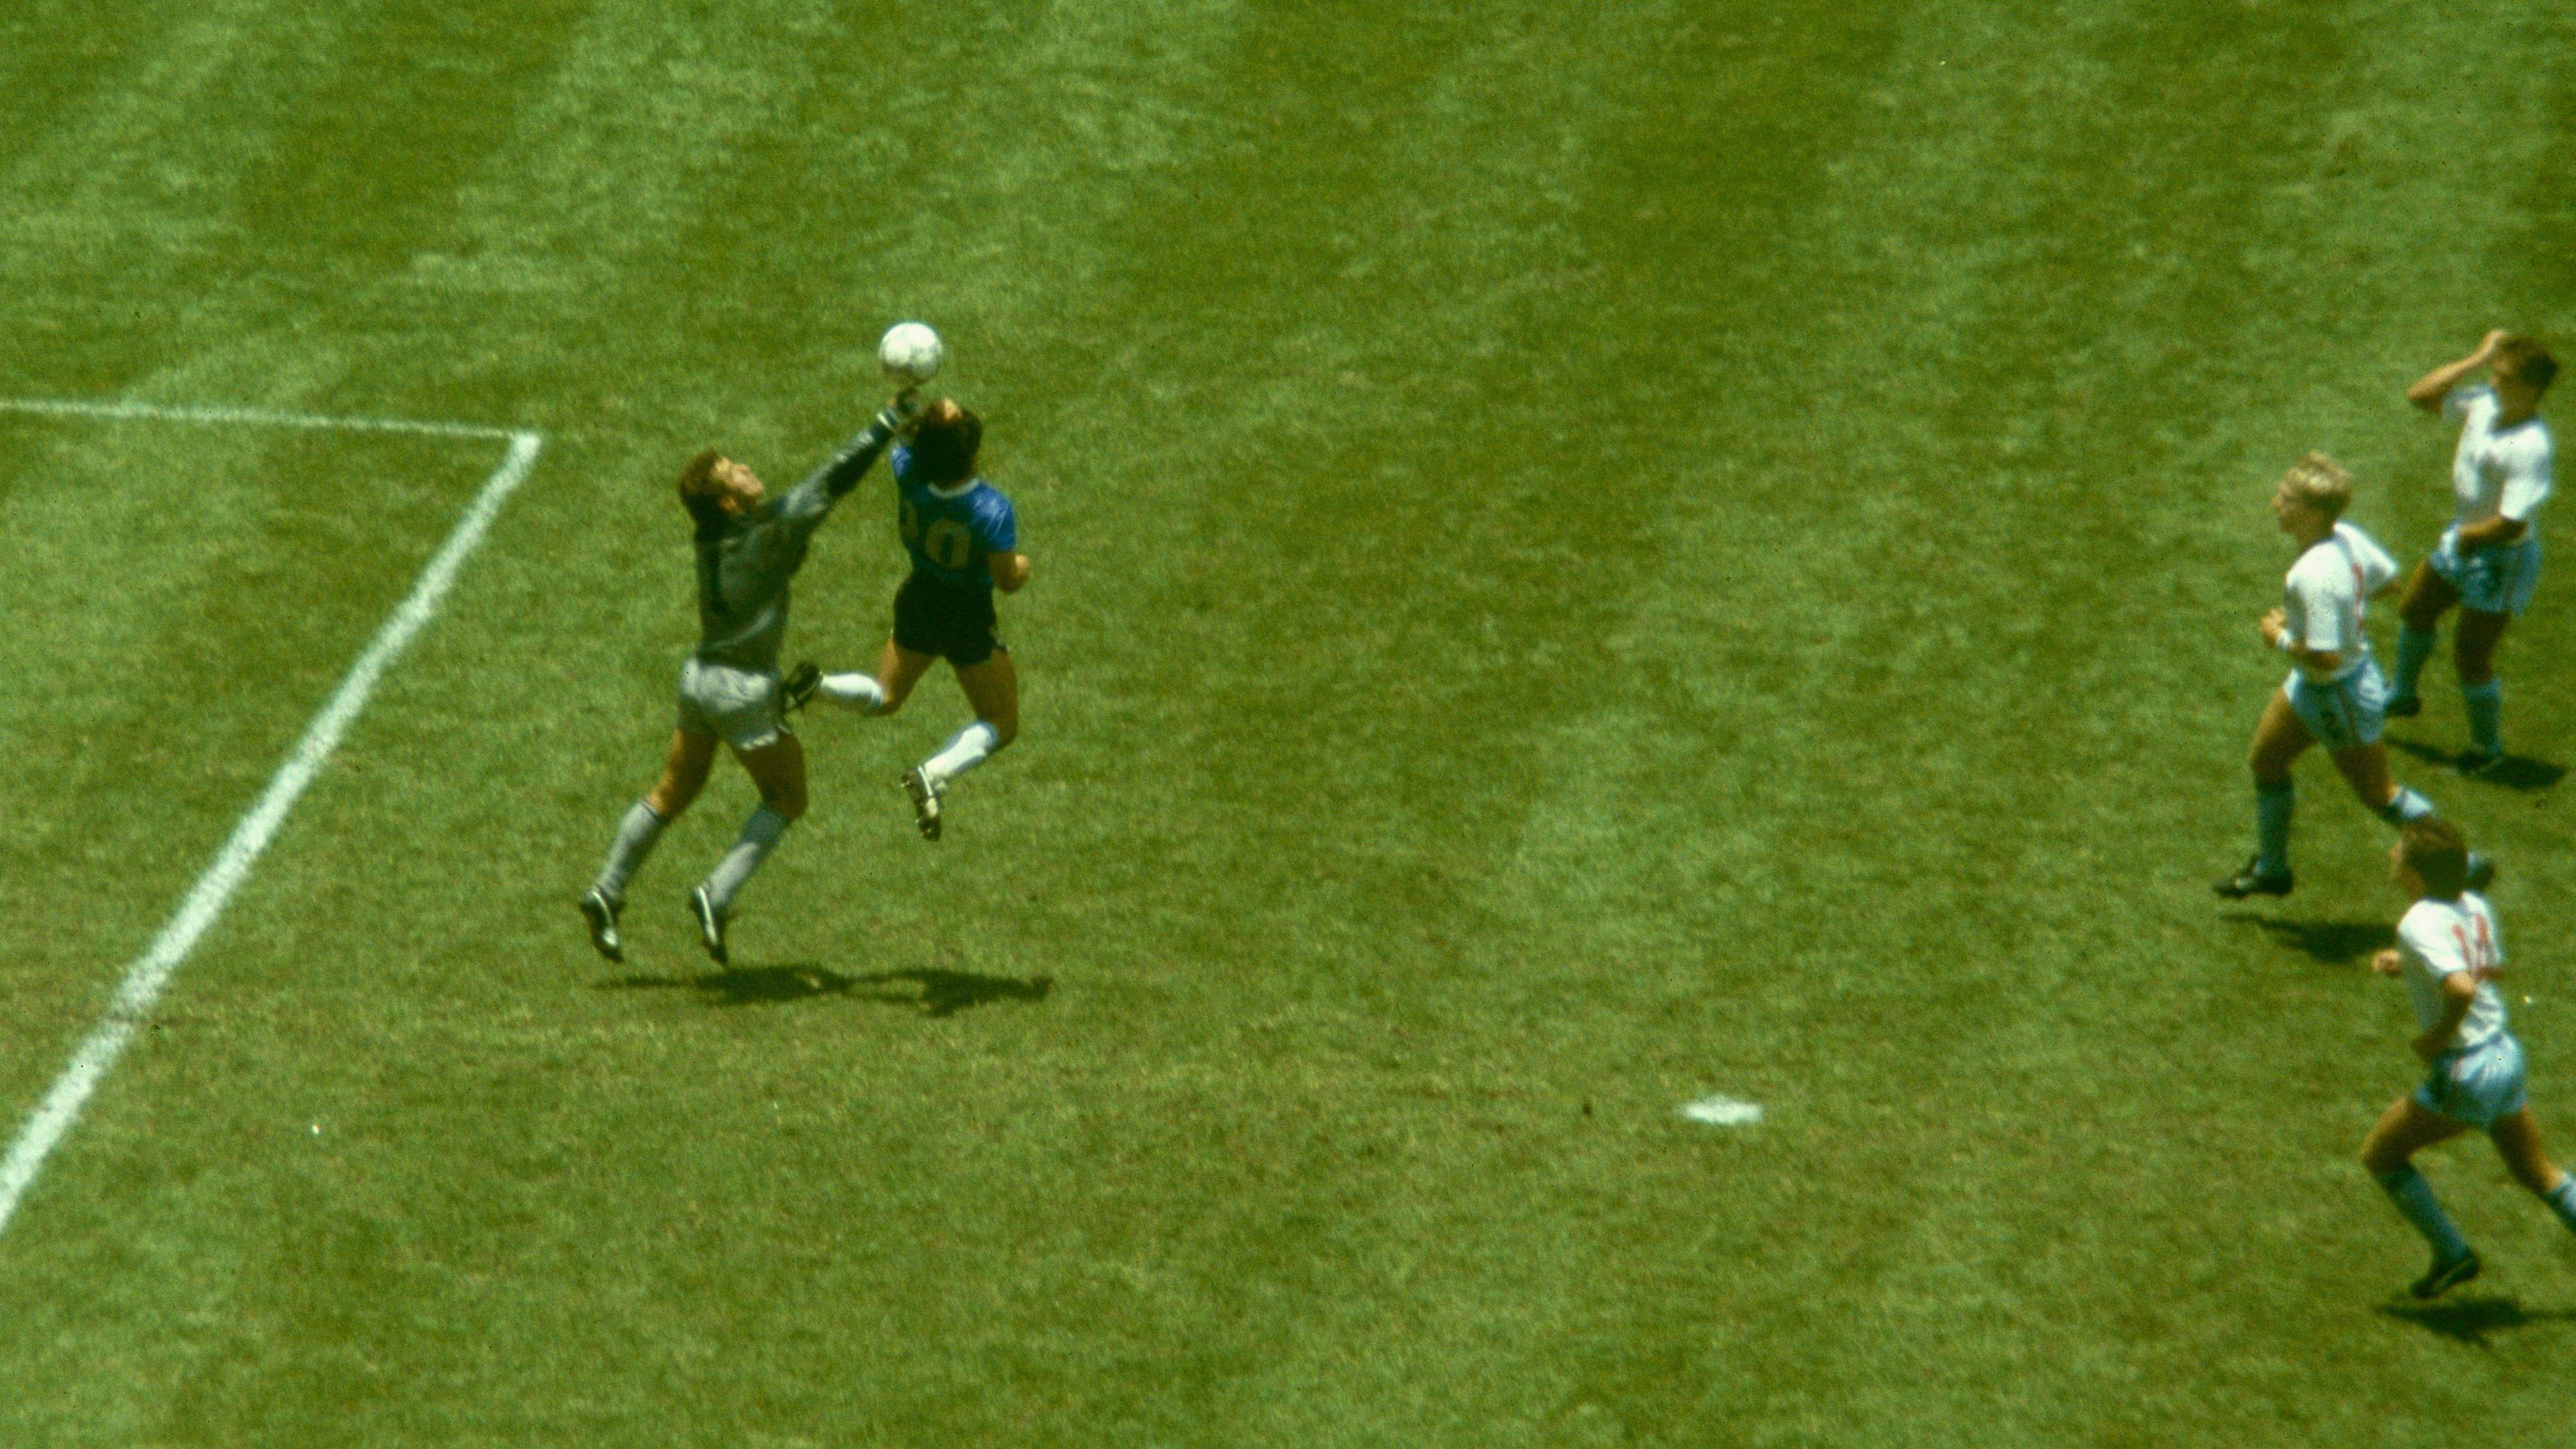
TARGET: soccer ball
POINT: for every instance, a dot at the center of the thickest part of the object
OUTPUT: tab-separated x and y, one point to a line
910	353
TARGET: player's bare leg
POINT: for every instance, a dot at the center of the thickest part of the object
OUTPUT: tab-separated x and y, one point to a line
778	769
2516	1136
2405	1129
2279	739
684	774
2428	597
2473	647
993	689
2365	768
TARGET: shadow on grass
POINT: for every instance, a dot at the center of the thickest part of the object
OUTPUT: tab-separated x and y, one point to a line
2470	1320
931	991
2337	943
2514	772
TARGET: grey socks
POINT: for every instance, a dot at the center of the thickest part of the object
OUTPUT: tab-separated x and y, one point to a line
635	836
760	835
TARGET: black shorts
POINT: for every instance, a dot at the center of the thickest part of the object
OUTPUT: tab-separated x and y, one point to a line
953	621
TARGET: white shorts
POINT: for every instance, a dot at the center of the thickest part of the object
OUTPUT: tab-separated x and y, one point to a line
737	706
2346	713
2478	1085
2495	580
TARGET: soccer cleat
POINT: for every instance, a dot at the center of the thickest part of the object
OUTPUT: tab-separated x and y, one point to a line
925	793
2482	872
2252	882
601	912
2446	1276
2479	762
711	923
2402	706
797	689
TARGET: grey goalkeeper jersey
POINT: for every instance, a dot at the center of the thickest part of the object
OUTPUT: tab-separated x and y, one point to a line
745	561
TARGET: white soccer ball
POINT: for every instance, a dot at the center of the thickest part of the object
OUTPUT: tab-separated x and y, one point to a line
910	353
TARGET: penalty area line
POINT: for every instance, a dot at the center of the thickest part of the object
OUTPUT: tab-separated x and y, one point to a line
255	417
151	972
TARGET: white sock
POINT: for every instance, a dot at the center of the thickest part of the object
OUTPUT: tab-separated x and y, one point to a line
853	691
964	752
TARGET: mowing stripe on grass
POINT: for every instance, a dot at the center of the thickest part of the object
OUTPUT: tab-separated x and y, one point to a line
151	972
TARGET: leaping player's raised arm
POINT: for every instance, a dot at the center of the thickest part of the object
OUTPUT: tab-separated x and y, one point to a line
2430	389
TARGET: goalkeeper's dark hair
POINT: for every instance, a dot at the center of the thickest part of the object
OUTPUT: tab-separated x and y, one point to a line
2528	362
698	491
2435	849
945	443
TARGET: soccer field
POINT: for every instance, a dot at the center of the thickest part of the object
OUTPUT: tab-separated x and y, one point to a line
1587	558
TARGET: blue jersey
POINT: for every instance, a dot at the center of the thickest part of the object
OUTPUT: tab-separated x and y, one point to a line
950	538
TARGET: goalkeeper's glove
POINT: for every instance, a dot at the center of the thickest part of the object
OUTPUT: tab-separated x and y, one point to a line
901	415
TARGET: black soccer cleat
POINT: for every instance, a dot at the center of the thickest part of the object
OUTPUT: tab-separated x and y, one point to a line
797	689
2402	706
925	793
2446	1276
601	912
2482	872
2251	882
711	924
2475	762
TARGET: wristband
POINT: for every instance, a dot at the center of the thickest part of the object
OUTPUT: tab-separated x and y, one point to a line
2285	643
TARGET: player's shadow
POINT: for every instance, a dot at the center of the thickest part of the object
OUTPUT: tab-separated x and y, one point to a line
2336	943
930	991
2514	772
938	992
2470	1320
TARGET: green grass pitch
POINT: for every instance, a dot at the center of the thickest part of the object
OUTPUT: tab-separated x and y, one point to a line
1587	556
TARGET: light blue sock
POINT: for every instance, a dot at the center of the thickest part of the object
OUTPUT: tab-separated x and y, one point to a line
2412	650
760	835
2485	704
2563	1201
2414	1197
2406	805
2272	805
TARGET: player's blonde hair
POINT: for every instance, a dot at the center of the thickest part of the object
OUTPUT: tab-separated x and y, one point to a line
2321	483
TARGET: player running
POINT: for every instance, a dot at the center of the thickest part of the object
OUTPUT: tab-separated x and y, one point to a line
964	542
749	547
2448	951
2489	558
2333	695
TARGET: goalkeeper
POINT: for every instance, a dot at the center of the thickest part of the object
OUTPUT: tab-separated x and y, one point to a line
749	547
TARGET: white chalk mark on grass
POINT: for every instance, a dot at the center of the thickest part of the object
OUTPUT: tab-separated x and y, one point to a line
1723	1112
254	417
151	973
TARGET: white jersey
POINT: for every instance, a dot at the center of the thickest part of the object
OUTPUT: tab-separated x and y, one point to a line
2322	601
2496	471
2442	938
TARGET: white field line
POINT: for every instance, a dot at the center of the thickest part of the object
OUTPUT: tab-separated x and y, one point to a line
1723	1112
257	417
151	972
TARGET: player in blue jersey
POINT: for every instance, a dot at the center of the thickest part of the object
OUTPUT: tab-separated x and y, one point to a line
964	543
749	546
